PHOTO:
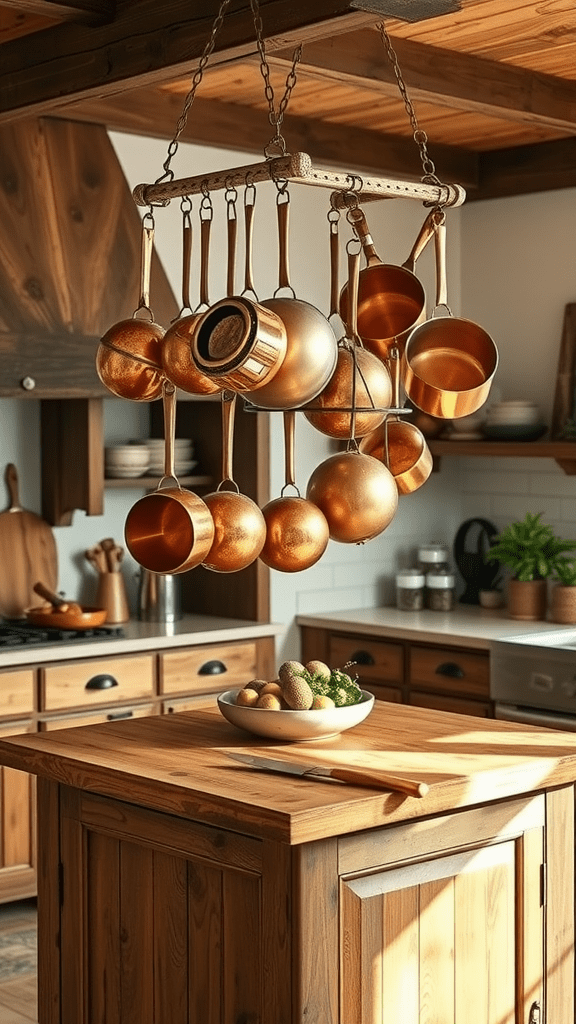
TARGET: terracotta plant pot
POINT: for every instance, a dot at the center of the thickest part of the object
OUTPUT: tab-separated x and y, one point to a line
527	599
563	604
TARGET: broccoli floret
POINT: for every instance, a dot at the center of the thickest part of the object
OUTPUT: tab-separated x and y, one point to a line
343	689
319	685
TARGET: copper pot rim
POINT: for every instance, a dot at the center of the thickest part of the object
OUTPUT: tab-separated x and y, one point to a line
193	508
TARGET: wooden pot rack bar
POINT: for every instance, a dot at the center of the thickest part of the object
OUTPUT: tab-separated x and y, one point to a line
298	168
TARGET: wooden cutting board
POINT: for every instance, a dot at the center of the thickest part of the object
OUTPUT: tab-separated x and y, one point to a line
28	554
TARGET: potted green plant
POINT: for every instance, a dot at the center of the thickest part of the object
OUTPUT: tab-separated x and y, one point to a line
534	554
563	593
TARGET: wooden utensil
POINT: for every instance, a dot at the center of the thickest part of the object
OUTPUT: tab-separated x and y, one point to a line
97	557
57	602
108	546
27	553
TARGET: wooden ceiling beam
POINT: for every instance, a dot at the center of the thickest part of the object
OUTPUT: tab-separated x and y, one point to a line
520	170
149	43
85	12
155	112
458	80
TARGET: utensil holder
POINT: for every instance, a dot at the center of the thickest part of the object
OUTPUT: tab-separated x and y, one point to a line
111	595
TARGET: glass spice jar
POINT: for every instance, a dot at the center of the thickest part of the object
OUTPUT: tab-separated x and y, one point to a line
440	594
410	590
433	557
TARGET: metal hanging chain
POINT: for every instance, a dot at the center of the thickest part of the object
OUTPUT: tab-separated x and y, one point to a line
277	144
420	137
197	78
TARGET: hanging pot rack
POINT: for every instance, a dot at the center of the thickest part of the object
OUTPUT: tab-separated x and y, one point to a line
298	168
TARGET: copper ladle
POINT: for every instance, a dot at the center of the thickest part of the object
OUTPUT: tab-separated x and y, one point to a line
297	532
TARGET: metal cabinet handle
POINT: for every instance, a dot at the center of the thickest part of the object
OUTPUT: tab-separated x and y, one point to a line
451	669
212	668
101	682
115	717
362	658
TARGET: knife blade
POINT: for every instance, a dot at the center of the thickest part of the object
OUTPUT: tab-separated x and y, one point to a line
374	780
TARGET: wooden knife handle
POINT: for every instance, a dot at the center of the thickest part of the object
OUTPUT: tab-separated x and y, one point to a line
378	780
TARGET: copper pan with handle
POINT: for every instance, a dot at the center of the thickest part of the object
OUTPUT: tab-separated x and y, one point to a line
448	362
391	299
169	530
58	613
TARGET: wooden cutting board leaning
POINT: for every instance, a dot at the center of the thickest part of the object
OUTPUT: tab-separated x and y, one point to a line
28	553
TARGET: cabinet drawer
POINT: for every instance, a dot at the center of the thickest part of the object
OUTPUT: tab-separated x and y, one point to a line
375	659
456	705
17	692
16	728
96	717
98	681
390	694
459	672
201	700
207	669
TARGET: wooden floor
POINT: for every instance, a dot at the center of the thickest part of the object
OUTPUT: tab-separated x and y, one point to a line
18	1000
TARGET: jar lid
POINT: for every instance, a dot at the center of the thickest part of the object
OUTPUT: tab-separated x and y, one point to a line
432	553
410	579
439	580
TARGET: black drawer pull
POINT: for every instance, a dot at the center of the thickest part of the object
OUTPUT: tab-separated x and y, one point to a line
116	716
212	668
362	658
102	682
451	669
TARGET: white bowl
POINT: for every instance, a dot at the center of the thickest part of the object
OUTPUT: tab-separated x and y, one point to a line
180	443
294	725
124	472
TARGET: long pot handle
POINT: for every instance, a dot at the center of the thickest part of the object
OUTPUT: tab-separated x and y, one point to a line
357	218
249	206
283	211
440	249
232	233
334	267
147	246
169	408
352	326
205	227
187	237
424	235
289	430
228	412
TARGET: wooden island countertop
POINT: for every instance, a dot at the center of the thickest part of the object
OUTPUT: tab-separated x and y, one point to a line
178	764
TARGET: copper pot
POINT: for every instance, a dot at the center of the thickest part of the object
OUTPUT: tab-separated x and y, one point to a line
171	529
400	445
311	345
359	390
356	493
449	363
239	526
177	360
391	299
129	356
297	532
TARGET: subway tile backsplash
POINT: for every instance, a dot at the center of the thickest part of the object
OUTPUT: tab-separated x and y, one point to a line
502	490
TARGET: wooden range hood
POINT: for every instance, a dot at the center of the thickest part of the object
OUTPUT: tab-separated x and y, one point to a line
69	268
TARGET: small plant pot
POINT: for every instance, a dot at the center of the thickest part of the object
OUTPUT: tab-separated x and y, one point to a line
563	604
490	598
527	600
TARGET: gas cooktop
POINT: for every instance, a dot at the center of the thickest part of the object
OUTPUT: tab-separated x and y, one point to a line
17	633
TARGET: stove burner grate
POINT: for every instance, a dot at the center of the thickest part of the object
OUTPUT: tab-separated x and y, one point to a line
19	634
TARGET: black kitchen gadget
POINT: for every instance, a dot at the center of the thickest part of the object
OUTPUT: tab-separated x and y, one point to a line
473	540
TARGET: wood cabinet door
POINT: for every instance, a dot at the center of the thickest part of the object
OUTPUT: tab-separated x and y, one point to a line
166	921
452	939
17	831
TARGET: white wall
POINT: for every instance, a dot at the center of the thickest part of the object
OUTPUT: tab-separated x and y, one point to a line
510	268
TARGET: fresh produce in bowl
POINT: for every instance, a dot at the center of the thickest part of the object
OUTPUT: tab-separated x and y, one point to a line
305	702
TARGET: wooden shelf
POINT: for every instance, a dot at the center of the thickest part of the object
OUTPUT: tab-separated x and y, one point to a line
563	452
150	483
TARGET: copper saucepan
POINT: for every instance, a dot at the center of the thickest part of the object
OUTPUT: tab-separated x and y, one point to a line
62	614
239	526
171	529
238	342
360	384
297	532
311	348
129	356
177	360
448	363
391	299
398	444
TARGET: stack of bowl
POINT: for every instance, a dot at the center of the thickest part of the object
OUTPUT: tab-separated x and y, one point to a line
518	420
184	461
126	460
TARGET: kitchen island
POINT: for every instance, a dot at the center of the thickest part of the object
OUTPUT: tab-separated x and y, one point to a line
178	886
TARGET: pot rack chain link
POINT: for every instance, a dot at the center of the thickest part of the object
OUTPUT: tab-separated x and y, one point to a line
276	118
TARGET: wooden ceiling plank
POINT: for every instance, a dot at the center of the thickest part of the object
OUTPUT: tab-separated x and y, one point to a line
149	43
456	80
85	12
244	129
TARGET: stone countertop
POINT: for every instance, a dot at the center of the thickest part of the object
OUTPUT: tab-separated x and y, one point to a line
466	626
191	630
178	764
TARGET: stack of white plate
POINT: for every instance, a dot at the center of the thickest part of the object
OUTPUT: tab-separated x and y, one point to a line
184	461
517	420
122	461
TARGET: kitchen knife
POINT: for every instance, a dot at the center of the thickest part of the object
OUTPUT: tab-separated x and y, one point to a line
376	780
